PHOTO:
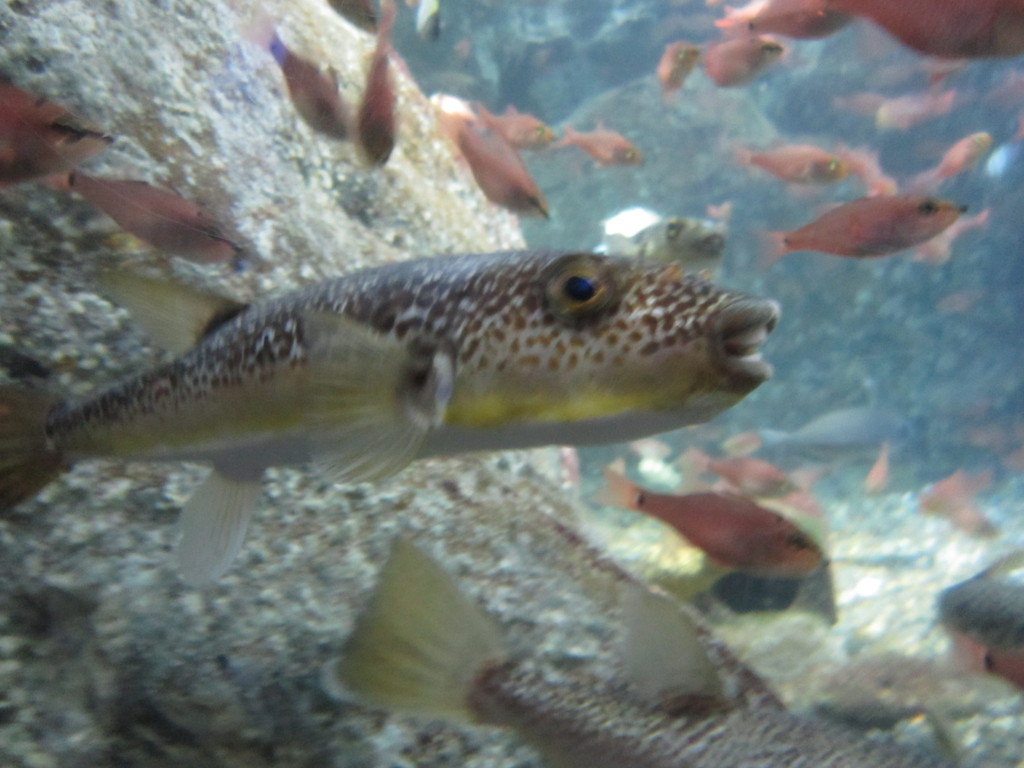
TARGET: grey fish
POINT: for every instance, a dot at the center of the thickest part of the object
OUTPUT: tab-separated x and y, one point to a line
985	614
682	701
697	245
843	429
368	372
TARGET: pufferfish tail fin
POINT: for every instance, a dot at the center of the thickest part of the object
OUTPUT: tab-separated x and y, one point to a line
27	462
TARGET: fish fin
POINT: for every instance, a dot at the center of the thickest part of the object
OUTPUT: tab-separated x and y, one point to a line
174	314
27	462
945	737
773	247
374	398
618	490
663	654
213	525
419	644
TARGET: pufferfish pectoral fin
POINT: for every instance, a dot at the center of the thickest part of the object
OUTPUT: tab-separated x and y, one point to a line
175	315
373	398
213	525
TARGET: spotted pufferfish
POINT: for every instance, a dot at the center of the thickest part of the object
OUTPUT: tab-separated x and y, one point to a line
373	370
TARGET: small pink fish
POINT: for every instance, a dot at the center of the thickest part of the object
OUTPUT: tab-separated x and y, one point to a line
804	19
939	249
521	130
873	226
907	111
163	219
605	146
738	61
734	531
677	61
313	91
797	163
39	138
878	476
376	121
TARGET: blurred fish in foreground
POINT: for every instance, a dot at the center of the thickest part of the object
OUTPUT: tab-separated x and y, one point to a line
950	28
985	617
422	647
376	122
368	372
39	138
156	216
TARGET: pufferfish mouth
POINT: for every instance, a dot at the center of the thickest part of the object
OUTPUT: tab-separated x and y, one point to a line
737	333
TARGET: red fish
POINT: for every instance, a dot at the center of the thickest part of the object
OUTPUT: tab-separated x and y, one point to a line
39	138
953	498
797	163
163	219
313	91
948	28
677	62
748	476
939	249
735	532
495	164
960	157
905	112
873	226
605	146
805	19
878	476
864	164
521	130
736	62
376	121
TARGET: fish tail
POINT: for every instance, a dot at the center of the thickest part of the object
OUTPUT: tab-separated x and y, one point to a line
618	491
420	643
773	248
27	461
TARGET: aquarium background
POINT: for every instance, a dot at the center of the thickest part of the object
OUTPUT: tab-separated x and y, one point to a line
107	659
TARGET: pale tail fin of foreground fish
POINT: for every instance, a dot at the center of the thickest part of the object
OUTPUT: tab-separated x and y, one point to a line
420	644
27	462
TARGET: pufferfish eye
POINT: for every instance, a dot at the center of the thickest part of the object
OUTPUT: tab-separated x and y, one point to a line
578	286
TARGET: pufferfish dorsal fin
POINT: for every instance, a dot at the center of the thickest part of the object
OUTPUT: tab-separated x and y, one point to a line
175	315
373	398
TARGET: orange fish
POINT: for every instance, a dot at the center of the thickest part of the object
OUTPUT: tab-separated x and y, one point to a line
905	112
39	138
878	476
947	28
313	92
797	163
495	164
960	157
805	19
605	146
375	121
736	62
953	498
864	164
677	62
163	219
939	249
733	531
521	130
873	226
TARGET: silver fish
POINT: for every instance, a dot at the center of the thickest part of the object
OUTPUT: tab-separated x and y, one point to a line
368	372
